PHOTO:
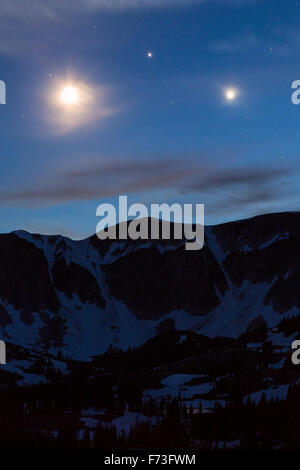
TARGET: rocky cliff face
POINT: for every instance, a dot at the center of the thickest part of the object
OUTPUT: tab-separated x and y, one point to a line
153	284
83	296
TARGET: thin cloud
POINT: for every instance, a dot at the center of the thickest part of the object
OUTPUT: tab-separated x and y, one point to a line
245	190
233	188
32	9
237	44
103	179
27	27
239	176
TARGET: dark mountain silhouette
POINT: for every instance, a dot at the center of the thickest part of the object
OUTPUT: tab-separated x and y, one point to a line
142	344
117	292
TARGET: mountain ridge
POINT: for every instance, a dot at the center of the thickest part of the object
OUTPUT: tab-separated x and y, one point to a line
83	296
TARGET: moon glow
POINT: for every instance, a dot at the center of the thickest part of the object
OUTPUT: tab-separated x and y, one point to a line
230	94
74	103
69	95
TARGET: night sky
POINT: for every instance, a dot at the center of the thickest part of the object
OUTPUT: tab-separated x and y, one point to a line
163	100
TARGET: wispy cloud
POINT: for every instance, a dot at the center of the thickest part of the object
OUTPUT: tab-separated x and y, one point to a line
234	189
243	189
277	42
237	44
27	26
99	179
32	10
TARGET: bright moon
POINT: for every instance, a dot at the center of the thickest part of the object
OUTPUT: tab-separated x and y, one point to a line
69	95
230	94
74	103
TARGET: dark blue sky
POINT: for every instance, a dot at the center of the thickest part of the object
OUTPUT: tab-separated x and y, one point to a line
158	129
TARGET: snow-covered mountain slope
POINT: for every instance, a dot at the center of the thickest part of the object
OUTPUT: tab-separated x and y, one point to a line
80	297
